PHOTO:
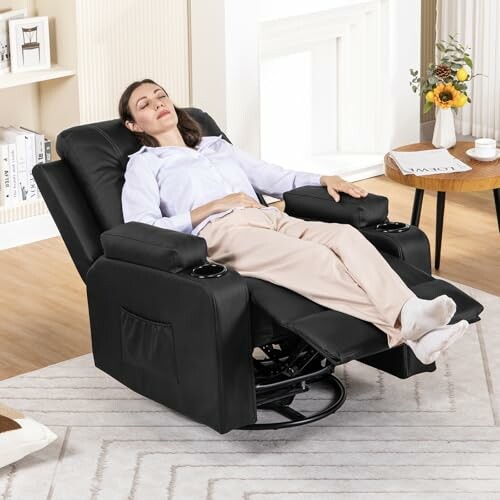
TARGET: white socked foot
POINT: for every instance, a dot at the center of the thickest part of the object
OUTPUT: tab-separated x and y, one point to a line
429	347
419	316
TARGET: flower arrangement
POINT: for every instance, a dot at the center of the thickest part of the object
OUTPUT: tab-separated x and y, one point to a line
445	84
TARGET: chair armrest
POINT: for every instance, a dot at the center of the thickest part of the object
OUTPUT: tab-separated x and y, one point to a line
155	247
411	246
315	203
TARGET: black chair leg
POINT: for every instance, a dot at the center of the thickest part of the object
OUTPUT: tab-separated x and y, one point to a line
441	198
496	196
417	207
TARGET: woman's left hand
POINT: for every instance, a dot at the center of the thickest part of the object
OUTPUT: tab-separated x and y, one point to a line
336	185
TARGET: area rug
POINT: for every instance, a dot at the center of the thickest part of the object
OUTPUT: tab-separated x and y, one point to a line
433	436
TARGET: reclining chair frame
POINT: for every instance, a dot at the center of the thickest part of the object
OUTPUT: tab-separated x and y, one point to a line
208	372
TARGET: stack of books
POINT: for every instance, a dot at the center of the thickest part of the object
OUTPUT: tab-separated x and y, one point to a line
428	162
20	150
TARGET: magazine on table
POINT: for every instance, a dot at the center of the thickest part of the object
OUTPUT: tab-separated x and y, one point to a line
428	162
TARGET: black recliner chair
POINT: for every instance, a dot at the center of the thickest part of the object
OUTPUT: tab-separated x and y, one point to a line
190	343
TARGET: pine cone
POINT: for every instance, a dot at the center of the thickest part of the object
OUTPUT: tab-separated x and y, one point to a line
442	71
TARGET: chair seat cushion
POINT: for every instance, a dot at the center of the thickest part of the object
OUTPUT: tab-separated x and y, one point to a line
338	336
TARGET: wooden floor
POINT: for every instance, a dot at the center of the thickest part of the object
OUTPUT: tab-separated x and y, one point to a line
43	300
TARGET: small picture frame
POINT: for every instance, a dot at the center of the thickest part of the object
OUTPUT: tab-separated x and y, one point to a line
29	44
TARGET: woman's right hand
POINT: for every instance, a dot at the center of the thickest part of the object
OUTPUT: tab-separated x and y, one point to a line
236	200
222	204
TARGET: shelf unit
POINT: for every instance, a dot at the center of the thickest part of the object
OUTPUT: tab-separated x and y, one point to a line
33	99
8	80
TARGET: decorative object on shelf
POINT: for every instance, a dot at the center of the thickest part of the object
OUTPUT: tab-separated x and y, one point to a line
445	86
29	44
5	16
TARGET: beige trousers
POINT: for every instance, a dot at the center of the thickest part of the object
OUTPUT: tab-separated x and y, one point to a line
331	264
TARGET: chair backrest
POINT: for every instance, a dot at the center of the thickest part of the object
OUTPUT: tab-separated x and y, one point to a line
30	35
83	191
98	154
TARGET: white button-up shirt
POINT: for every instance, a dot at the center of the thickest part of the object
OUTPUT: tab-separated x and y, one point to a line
163	184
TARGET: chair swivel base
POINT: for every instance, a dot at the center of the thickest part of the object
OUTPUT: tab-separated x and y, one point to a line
278	396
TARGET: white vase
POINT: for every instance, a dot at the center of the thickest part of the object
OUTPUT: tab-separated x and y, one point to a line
444	130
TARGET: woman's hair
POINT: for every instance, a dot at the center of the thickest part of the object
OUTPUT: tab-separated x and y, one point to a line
189	128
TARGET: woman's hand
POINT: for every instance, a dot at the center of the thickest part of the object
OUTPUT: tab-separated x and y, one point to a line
235	200
222	204
336	185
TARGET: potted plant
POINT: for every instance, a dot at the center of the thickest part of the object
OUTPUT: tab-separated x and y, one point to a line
445	86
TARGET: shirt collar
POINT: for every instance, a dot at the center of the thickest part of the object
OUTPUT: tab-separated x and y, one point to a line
204	143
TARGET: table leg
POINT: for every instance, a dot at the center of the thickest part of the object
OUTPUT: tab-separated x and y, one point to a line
496	195
441	197
417	207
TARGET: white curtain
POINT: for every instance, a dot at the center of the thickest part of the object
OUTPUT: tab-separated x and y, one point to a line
476	24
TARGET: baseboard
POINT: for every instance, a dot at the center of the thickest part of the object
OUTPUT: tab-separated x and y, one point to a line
22	232
362	173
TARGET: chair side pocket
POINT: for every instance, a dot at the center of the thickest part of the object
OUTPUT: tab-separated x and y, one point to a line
148	345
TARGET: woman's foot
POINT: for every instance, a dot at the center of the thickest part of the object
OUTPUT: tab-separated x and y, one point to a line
429	347
419	316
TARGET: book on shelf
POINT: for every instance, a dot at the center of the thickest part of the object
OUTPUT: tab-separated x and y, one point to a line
29	161
11	186
20	150
4	172
8	138
39	152
21	161
39	145
48	150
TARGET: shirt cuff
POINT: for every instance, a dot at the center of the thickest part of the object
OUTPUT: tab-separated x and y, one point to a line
307	179
180	222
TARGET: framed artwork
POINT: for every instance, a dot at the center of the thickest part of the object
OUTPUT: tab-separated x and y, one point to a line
29	44
4	36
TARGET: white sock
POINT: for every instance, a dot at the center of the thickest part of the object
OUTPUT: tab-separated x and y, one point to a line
419	316
429	347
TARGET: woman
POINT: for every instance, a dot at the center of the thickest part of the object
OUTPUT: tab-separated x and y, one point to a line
203	186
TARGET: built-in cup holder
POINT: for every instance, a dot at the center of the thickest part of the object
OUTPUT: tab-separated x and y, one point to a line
209	270
392	227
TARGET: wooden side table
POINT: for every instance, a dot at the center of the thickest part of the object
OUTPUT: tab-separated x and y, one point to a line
483	176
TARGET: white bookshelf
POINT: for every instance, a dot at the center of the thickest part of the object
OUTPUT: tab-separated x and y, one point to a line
8	80
28	221
42	100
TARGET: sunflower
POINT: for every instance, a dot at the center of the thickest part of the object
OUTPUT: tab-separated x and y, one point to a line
446	96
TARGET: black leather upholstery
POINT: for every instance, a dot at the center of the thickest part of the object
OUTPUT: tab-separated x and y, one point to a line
311	202
71	211
154	247
187	342
210	324
358	339
98	155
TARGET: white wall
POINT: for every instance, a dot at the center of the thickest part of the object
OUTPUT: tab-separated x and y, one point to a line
402	105
119	41
226	79
225	67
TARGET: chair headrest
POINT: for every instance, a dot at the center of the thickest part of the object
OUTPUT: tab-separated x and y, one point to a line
97	154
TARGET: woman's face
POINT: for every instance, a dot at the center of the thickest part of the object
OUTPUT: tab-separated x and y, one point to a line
152	110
